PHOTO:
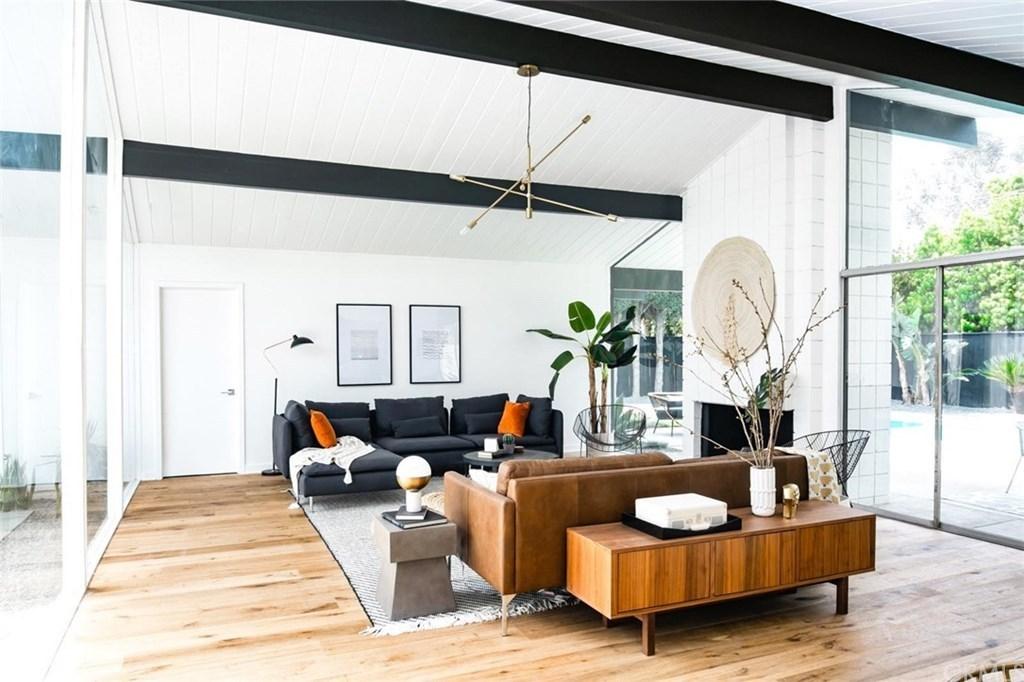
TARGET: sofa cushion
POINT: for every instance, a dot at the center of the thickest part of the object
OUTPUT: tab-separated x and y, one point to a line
353	426
415	446
341	410
484	404
389	410
539	421
298	416
526	441
418	427
378	460
528	468
482	423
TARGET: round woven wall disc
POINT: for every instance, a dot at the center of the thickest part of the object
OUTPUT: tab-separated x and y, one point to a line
716	299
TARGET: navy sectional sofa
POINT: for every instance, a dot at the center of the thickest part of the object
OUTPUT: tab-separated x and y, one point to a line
402	427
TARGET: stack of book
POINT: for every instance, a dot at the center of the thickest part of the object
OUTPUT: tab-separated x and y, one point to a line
407	519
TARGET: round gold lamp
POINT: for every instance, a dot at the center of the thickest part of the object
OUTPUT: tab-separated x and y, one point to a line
413	474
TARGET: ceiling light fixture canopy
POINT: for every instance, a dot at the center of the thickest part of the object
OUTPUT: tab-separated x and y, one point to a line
523	187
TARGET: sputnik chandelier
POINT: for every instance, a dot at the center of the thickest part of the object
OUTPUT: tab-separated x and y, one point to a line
523	187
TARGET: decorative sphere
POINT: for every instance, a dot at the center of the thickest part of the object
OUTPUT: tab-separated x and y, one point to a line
413	473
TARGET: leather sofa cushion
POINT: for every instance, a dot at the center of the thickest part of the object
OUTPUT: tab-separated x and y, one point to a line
353	426
484	404
415	446
418	427
539	421
341	410
526	468
378	460
526	441
298	416
389	410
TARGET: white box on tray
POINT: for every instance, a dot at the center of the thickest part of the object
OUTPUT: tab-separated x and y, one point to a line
688	511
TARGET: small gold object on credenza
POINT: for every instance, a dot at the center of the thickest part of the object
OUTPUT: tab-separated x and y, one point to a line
790	500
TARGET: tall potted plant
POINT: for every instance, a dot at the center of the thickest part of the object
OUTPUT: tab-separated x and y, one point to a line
602	345
751	391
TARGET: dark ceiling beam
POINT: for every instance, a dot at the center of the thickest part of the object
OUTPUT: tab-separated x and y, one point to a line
886	116
189	164
795	34
470	36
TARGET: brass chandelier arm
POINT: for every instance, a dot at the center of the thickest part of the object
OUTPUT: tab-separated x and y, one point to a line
607	216
472	223
585	120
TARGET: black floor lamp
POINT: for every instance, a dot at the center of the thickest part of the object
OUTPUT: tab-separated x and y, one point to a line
295	340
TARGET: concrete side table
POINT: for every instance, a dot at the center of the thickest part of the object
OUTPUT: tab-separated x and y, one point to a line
414	576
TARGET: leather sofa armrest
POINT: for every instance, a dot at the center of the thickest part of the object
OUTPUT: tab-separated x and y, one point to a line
284	443
558	431
487	532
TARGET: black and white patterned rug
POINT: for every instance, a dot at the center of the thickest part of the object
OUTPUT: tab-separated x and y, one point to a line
343	522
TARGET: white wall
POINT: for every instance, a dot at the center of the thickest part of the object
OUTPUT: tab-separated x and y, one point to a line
290	292
770	186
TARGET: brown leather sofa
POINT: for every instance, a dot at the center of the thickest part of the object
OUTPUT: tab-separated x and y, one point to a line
514	538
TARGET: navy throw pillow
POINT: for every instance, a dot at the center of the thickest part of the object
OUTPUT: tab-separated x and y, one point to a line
418	427
298	416
483	423
353	426
539	421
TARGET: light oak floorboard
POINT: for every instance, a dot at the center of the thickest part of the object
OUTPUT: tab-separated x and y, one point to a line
214	578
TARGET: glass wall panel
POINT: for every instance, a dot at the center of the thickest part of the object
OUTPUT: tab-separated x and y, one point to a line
983	400
913	197
30	484
649	279
129	358
97	130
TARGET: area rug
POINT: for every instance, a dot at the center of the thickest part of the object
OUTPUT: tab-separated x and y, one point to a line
343	522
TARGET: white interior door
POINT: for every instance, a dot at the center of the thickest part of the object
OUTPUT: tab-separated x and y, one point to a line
201	380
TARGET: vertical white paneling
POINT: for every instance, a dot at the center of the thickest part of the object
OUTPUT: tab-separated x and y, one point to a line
174	48
281	101
260	57
203	78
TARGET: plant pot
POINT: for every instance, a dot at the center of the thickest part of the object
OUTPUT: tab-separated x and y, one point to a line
1018	402
762	491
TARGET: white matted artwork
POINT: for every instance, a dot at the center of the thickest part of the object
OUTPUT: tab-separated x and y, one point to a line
435	344
364	344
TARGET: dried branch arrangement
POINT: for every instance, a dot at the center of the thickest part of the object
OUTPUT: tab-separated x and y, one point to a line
750	392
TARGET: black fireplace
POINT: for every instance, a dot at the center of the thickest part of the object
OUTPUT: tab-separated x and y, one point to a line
721	424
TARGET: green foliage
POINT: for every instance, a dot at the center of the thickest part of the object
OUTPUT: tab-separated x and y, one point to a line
978	298
1007	370
15	493
604	348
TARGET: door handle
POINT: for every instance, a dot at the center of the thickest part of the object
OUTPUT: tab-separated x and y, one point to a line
230	391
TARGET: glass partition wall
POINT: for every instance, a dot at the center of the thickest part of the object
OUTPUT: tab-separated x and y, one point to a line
934	318
67	400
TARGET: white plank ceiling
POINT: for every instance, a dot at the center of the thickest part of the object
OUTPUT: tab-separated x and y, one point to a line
193	79
215	215
991	28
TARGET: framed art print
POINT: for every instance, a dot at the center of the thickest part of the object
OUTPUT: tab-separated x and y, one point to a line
364	344
435	344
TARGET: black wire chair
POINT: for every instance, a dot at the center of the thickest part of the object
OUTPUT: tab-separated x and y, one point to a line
844	447
622	431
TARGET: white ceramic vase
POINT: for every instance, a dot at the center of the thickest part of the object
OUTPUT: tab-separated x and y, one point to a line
762	491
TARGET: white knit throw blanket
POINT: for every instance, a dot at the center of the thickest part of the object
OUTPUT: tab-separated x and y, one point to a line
347	451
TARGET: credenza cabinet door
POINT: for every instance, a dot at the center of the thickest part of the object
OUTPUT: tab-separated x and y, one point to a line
657	577
835	549
756	562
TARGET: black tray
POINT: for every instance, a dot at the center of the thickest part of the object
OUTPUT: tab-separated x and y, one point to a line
731	523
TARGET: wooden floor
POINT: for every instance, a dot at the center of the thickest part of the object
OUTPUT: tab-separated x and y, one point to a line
213	578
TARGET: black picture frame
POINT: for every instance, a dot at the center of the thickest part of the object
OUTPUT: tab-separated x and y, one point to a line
412	344
338	344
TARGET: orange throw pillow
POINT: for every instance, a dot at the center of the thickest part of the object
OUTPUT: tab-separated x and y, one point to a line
513	419
323	429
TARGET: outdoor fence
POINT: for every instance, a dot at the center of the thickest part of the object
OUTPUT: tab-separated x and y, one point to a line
963	387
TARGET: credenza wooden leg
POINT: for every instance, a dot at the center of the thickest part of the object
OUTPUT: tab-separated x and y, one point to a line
842	596
647	638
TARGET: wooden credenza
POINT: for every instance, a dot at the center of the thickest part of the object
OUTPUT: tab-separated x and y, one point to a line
621	572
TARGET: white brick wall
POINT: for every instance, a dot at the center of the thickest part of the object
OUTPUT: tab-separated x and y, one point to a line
870	310
769	187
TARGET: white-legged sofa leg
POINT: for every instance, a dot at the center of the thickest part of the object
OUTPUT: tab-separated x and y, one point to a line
506	599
